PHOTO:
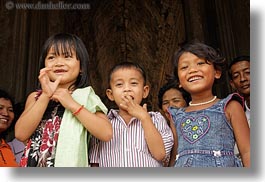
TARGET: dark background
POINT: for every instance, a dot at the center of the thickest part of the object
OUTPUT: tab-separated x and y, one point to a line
144	31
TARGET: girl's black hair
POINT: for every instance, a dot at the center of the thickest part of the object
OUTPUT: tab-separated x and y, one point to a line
127	64
65	43
202	51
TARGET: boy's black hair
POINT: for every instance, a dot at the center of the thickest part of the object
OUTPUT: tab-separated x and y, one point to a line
236	60
127	64
172	83
65	43
202	51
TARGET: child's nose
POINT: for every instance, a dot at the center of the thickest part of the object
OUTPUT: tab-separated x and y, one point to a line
193	68
59	61
127	88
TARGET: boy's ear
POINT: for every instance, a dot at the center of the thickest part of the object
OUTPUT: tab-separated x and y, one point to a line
109	94
146	91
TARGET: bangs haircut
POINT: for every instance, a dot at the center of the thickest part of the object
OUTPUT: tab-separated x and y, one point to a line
65	44
202	51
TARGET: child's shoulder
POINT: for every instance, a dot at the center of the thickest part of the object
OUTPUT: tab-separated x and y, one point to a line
233	97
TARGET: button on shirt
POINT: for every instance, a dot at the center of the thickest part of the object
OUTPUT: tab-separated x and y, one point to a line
128	147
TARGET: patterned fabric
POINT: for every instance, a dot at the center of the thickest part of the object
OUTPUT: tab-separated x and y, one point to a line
205	137
41	147
128	147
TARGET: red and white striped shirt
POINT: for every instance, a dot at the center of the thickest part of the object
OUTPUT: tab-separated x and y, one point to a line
128	147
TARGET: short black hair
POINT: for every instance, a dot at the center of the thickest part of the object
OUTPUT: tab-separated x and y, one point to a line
236	60
127	64
172	83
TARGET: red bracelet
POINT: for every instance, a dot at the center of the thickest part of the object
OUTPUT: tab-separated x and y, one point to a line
78	110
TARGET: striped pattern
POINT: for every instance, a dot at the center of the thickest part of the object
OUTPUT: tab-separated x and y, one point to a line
128	147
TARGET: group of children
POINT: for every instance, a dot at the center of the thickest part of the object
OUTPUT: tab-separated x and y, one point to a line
66	124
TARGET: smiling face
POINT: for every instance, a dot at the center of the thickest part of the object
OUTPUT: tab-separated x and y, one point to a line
6	114
195	74
65	65
127	82
240	81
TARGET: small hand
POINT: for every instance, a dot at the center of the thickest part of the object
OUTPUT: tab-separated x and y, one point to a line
63	96
133	108
48	86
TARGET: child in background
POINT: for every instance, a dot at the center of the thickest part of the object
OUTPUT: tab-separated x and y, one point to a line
59	118
170	95
140	138
208	128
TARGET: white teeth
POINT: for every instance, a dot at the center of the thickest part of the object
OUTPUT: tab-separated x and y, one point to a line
2	120
194	78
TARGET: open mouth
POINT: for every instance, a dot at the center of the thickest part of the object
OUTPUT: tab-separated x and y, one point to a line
3	120
59	71
195	78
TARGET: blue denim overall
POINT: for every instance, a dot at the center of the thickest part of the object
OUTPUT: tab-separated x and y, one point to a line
205	137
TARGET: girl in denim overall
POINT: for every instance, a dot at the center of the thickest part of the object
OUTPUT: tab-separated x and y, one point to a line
208	128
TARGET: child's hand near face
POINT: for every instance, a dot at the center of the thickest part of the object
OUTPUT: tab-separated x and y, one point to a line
48	86
133	108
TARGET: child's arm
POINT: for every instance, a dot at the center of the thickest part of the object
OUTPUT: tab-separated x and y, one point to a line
34	109
101	129
175	145
236	115
152	136
31	116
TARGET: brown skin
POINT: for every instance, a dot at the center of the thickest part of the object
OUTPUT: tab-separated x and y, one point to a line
197	77
240	81
56	78
128	90
6	114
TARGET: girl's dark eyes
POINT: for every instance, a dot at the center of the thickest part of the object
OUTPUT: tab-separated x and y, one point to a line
51	57
183	67
68	56
200	63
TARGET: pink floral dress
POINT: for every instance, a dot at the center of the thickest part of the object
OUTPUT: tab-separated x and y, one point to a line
41	147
